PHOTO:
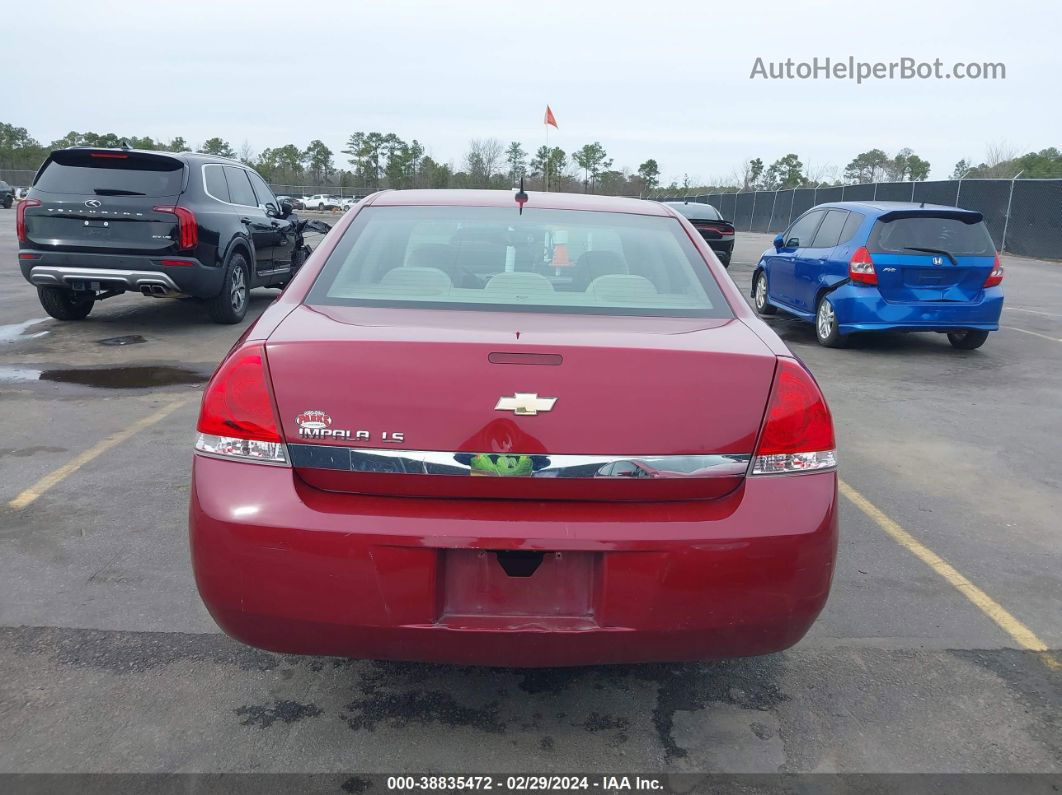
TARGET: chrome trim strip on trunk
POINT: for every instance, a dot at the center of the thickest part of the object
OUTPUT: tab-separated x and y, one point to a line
430	462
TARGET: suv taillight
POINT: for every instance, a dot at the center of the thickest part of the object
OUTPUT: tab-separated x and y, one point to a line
187	227
861	268
996	276
236	419
798	431
20	217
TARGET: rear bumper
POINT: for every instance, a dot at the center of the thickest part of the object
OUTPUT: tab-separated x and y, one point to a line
126	272
863	309
720	245
286	567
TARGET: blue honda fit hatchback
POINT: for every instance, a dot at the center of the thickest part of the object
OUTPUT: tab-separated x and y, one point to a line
851	267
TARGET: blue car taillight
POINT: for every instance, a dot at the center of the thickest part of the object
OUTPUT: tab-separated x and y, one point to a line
996	276
861	268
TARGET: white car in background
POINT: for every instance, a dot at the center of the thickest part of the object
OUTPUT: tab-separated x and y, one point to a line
320	201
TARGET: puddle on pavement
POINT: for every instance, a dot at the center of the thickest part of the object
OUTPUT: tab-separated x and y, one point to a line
16	332
128	339
106	378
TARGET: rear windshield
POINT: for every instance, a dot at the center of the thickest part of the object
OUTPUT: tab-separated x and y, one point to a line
951	235
491	258
698	211
111	174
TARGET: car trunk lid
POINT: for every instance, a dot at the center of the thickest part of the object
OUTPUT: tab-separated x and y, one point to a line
931	255
103	200
682	397
714	230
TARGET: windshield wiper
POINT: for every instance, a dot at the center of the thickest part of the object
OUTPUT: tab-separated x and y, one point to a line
947	254
117	192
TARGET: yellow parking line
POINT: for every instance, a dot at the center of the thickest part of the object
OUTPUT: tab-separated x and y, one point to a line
1035	334
1022	635
56	476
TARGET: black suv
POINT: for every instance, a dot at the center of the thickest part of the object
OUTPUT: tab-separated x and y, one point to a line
99	222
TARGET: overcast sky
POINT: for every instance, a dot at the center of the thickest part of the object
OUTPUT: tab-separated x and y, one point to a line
668	80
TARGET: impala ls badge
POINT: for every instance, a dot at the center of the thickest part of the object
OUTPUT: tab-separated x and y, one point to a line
525	404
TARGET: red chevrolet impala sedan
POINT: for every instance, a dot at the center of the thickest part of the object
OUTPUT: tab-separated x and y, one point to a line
479	430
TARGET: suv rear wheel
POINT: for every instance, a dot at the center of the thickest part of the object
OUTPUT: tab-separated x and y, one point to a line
65	304
231	305
967	340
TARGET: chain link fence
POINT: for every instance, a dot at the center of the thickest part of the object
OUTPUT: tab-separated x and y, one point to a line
298	191
17	177
1023	216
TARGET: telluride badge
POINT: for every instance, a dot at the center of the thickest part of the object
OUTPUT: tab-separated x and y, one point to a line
525	404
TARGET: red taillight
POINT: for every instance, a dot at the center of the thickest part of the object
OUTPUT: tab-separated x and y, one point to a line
861	268
237	401
726	232
20	217
798	431
187	228
177	263
236	418
996	276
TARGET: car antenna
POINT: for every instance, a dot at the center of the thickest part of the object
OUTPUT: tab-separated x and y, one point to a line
922	206
521	197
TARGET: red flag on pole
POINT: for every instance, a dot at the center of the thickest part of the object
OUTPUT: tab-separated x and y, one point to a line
550	118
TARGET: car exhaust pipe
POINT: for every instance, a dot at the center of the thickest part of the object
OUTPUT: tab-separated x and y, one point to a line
158	291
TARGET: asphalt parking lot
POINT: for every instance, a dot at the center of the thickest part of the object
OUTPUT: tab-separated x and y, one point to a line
953	493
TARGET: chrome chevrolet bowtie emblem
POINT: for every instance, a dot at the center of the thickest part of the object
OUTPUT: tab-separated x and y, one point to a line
525	404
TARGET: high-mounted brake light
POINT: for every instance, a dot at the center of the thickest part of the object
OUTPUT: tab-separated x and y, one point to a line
798	431
187	227
996	276
109	155
236	419
861	268
20	217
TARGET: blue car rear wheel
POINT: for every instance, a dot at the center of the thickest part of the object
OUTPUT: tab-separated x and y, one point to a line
826	329
759	295
967	340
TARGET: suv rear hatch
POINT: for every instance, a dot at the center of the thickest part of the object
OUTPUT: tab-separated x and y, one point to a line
94	201
931	255
641	389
